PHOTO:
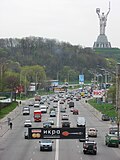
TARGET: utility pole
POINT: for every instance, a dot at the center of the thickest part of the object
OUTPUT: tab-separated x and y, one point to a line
118	95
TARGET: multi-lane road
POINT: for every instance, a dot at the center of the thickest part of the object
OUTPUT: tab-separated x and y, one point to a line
13	146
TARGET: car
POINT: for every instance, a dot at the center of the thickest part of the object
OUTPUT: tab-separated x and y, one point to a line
43	108
90	147
56	100
26	133
66	124
68	101
75	111
52	114
62	110
28	123
47	124
65	117
71	109
54	105
81	122
92	132
51	120
71	104
26	110
113	129
61	102
37	104
111	140
46	145
31	103
105	117
51	109
86	138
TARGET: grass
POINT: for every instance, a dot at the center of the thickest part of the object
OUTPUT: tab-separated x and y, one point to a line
104	108
4	111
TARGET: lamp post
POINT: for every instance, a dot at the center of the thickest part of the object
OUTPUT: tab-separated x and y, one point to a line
2	70
36	81
1	75
118	96
68	77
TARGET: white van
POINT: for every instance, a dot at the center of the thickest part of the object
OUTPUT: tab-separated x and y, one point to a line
81	122
43	108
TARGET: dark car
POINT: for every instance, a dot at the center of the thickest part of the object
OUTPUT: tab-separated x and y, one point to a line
75	111
71	104
90	147
105	117
47	125
66	124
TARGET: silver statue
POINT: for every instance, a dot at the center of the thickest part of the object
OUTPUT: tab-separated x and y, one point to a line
103	20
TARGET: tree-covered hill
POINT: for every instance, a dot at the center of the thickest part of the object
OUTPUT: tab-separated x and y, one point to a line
58	58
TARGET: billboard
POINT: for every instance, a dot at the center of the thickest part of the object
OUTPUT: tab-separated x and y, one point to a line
98	93
81	79
56	133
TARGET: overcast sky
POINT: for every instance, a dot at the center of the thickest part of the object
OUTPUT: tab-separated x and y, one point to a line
73	21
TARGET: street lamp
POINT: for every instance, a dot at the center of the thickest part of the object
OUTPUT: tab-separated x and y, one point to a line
118	95
1	74
2	65
68	77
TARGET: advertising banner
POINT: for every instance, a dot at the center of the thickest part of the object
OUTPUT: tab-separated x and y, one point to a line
56	133
98	93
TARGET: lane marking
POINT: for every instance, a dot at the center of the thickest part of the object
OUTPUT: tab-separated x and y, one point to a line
57	140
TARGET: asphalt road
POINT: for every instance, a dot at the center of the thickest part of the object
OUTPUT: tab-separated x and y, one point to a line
13	146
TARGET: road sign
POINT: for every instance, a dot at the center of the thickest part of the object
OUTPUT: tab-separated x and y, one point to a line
56	133
81	79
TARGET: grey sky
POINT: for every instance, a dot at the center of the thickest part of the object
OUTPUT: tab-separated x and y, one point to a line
73	21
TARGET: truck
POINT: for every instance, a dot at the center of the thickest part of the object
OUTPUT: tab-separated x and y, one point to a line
37	115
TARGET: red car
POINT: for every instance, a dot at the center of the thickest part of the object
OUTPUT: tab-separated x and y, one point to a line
75	111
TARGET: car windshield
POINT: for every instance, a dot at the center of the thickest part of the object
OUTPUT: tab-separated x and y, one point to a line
28	121
92	130
46	141
46	123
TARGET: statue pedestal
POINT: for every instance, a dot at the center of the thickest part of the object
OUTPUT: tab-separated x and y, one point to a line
102	42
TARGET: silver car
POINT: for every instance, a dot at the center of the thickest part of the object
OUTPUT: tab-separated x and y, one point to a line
46	145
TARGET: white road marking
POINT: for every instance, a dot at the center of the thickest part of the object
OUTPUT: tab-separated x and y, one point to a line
57	140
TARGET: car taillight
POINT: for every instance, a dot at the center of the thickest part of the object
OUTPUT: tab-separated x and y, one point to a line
85	145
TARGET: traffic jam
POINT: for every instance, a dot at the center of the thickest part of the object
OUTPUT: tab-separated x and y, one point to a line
51	119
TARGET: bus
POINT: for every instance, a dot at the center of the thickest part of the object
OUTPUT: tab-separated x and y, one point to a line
37	115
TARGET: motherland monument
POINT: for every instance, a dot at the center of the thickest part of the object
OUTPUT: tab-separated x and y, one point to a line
102	41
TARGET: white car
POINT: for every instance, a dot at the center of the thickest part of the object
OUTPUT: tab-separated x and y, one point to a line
65	117
45	145
92	132
54	105
51	120
28	123
43	108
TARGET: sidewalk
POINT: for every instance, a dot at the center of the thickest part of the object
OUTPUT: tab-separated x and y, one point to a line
4	121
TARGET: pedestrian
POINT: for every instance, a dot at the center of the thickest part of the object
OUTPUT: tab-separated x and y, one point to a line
9	119
11	125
